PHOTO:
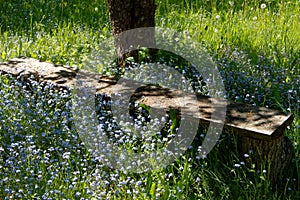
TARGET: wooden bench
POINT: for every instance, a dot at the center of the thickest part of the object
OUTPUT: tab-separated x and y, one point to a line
260	129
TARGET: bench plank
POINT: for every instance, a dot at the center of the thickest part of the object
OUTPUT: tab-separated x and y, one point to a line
246	120
260	129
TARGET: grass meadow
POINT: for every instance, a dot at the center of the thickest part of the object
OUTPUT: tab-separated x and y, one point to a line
255	45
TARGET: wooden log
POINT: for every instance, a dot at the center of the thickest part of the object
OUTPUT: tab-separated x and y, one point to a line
274	156
260	129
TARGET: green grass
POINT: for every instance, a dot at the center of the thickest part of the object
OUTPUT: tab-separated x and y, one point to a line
257	51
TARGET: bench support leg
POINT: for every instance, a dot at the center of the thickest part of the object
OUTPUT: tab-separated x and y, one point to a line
274	156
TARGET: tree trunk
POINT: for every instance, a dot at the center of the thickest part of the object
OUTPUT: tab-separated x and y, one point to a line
131	14
273	156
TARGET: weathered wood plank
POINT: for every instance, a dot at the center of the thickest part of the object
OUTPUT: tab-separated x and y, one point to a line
246	120
260	129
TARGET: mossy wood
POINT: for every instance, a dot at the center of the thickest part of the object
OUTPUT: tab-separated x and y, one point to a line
260	129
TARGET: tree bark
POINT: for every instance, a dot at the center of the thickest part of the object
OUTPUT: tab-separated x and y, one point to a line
273	156
131	14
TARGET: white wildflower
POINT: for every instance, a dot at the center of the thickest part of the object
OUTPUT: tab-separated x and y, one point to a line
263	6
